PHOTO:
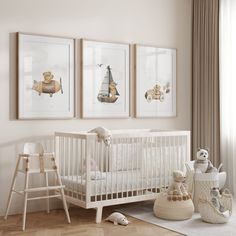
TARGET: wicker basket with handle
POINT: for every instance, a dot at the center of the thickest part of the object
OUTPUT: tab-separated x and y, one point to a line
212	215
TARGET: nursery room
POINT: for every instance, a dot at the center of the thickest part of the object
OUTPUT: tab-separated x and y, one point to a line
117	117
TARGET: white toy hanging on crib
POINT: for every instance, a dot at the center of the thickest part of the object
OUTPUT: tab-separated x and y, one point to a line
103	135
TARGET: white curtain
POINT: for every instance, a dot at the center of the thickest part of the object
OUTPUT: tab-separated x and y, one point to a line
227	41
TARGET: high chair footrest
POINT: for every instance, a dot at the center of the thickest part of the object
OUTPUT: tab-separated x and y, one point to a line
44	188
44	197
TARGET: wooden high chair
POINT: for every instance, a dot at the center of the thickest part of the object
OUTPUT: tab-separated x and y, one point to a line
35	161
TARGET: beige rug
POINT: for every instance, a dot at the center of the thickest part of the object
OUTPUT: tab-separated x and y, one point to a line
192	227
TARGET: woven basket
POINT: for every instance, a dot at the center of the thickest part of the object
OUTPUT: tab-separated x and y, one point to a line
212	215
172	210
203	182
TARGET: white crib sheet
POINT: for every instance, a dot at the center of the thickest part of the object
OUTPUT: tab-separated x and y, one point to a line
115	182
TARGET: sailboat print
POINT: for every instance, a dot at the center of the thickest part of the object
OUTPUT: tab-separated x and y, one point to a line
108	92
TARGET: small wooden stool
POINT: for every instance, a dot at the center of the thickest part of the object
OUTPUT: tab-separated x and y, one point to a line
35	161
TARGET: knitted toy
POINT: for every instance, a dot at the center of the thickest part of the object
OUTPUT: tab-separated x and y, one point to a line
202	164
216	199
177	190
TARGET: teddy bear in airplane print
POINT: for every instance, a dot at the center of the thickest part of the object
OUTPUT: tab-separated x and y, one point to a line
48	85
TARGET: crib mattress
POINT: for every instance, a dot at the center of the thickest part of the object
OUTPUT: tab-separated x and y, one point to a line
115	182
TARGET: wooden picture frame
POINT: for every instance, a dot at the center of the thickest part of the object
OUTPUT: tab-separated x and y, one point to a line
155	81
46	77
105	79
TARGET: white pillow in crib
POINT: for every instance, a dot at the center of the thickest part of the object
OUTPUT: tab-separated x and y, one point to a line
97	175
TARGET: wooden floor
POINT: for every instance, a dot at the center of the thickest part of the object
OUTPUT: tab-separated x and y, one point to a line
83	224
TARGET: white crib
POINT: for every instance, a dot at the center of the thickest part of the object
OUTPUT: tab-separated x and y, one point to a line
135	167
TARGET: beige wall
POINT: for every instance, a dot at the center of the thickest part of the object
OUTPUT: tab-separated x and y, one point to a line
164	23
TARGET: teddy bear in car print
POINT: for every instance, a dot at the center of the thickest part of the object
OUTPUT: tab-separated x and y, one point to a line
157	92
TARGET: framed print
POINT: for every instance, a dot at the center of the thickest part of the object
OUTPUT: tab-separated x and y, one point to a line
45	77
155	82
105	80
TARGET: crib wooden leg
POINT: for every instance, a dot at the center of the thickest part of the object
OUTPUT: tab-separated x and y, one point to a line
99	215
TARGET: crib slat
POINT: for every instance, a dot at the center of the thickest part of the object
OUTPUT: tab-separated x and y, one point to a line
106	158
148	162
69	164
168	160
156	157
165	161
174	153
122	167
82	163
88	169
188	145
117	183
127	147
59	153
103	163
64	157
132	169
178	151
181	153
73	166
152	164
170	145
145	171
77	167
137	163
111	169
161	165
95	156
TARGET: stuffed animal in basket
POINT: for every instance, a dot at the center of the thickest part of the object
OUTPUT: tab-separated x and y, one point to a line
218	208
202	164
103	135
216	199
177	187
